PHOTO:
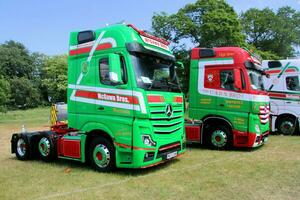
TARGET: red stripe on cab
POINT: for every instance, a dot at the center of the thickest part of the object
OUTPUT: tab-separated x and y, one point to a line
80	51
155	99
86	94
178	99
88	49
277	95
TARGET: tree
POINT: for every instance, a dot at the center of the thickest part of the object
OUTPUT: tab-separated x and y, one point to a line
4	94
258	24
207	23
15	60
23	93
37	74
276	33
55	78
287	31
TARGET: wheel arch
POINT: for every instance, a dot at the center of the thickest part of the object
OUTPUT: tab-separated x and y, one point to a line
94	134
214	119
283	115
210	119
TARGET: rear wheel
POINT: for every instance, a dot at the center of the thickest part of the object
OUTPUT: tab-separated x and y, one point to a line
46	148
220	137
102	155
287	125
22	148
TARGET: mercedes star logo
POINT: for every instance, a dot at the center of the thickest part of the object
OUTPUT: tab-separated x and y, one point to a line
169	110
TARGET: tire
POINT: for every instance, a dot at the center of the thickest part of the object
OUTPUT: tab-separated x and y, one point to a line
22	148
102	155
220	137
287	125
46	148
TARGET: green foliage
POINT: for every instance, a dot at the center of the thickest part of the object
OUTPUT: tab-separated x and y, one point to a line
265	55
273	32
37	74
183	74
55	78
15	60
23	93
207	23
4	94
162	24
28	79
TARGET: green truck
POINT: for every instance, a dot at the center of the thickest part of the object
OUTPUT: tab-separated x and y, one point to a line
227	102
125	107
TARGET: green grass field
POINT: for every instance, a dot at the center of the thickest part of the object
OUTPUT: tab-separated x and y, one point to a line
270	172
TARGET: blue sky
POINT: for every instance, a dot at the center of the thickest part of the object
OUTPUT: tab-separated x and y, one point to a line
44	26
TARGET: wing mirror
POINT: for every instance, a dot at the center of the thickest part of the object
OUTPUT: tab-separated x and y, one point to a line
179	65
115	74
237	79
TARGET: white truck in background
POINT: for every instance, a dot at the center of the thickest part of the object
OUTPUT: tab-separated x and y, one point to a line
284	91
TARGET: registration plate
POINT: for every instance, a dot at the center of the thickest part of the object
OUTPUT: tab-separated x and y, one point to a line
172	155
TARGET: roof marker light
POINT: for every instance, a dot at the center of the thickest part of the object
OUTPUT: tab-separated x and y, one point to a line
143	33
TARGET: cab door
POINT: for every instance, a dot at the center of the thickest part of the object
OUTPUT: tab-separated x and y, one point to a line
231	98
231	102
114	103
292	88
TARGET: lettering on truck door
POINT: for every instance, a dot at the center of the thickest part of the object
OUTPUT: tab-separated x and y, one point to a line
114	104
231	103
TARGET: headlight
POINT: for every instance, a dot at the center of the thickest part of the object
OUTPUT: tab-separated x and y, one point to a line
147	140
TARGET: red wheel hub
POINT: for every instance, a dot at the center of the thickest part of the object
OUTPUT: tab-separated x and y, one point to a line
43	146
286	126
99	156
218	139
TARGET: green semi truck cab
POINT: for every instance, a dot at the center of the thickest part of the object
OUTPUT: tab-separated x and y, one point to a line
227	102
125	107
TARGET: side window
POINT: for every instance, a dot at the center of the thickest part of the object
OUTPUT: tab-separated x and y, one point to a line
227	79
104	71
292	83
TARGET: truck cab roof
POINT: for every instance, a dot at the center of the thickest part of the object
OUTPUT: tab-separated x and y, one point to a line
116	36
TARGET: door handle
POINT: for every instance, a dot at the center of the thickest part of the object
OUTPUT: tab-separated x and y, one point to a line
221	105
100	108
288	102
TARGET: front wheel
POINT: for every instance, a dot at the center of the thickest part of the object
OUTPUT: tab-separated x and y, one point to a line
220	137
102	155
287	125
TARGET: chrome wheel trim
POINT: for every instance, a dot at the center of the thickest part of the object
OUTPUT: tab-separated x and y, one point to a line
21	147
44	147
222	138
105	155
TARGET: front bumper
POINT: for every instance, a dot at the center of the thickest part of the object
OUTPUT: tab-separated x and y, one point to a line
246	139
148	158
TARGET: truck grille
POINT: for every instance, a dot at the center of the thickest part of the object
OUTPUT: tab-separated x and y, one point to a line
163	124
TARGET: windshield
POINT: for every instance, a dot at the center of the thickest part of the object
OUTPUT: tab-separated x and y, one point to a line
153	73
256	80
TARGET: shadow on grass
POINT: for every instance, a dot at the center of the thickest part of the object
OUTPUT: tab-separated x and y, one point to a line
64	163
233	149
